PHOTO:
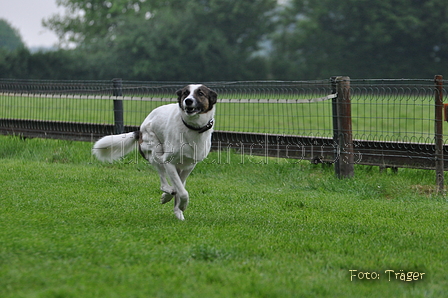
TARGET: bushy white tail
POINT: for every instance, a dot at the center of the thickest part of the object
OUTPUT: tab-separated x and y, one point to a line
110	148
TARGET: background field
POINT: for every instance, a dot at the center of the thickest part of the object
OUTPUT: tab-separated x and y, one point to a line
390	117
74	227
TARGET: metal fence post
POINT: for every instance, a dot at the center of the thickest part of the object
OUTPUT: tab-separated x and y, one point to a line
118	105
345	160
438	129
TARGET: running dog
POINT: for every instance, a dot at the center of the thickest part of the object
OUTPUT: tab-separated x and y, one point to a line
173	138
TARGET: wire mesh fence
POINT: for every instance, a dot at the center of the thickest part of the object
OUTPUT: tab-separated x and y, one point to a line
261	107
389	110
391	121
288	108
393	110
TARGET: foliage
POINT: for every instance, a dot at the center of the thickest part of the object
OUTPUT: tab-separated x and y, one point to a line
210	40
73	227
194	40
88	22
10	38
395	38
196	44
60	64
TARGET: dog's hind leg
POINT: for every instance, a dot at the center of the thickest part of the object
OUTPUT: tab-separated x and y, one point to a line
183	174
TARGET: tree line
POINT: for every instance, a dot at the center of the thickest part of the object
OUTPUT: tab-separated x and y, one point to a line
212	40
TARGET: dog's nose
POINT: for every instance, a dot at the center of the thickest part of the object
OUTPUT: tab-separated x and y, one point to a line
188	102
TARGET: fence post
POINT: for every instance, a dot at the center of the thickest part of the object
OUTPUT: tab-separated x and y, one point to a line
344	167
118	105
334	110
438	125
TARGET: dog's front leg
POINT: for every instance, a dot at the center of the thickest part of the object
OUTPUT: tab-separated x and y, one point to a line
181	198
168	190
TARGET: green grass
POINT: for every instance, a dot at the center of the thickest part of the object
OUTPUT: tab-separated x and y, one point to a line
374	117
74	227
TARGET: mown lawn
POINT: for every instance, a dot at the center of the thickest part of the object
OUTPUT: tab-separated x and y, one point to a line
74	227
374	116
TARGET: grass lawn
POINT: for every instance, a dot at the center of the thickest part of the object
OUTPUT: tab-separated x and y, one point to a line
374	116
75	227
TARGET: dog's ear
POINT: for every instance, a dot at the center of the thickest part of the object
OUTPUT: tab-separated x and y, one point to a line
213	96
179	94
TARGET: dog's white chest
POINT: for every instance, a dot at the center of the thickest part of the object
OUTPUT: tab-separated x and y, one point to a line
188	150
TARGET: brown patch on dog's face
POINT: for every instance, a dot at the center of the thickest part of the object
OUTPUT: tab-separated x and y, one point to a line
196	99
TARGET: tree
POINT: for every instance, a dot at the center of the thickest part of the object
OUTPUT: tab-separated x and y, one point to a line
49	65
10	38
179	40
88	21
360	38
215	42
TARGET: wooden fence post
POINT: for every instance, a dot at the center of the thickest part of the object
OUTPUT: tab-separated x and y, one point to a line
334	110
118	105
438	129
344	167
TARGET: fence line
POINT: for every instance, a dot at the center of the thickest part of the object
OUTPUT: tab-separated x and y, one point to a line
167	100
392	122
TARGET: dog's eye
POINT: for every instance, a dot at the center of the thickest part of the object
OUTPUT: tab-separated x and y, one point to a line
200	93
186	93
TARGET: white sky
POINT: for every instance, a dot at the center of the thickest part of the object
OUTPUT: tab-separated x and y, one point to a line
26	16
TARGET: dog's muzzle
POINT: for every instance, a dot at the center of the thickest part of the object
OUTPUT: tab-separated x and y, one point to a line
191	107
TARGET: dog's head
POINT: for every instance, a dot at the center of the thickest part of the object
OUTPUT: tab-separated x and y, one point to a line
196	99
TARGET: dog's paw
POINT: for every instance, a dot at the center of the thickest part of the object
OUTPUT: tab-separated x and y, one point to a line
166	197
179	214
168	190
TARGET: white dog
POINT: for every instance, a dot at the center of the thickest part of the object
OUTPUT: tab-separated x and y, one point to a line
173	138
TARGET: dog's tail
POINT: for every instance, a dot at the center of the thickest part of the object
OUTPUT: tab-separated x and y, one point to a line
113	147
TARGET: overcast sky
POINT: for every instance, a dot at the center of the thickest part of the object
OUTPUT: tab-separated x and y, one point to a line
26	16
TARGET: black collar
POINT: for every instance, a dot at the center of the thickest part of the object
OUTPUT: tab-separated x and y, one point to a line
200	129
